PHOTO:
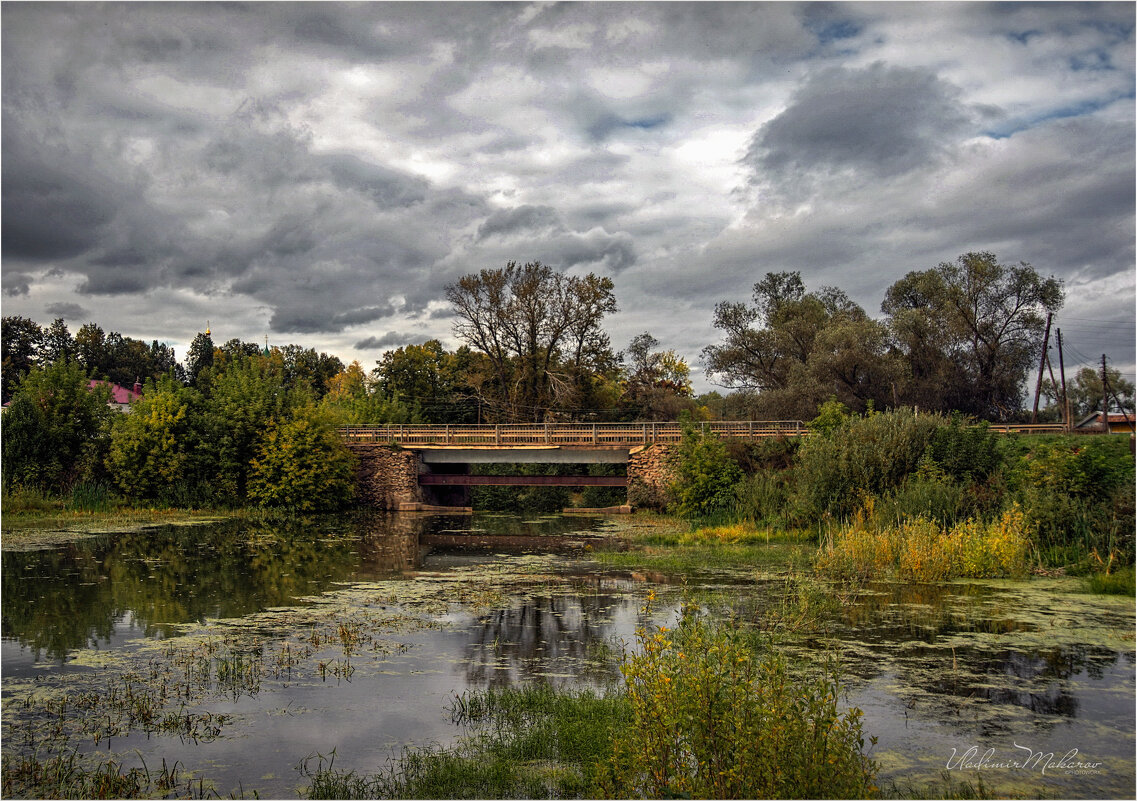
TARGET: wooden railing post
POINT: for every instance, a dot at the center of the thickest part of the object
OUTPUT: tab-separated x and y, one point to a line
594	433
497	433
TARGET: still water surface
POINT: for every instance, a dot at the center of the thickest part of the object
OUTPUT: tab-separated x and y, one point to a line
972	678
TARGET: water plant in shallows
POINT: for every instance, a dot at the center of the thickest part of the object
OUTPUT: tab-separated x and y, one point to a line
711	717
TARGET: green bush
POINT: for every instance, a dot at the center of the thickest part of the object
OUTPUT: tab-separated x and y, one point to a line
1078	494
706	476
55	431
302	465
865	457
157	446
965	450
713	719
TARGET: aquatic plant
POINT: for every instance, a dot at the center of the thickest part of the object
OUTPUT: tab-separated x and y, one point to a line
712	718
921	550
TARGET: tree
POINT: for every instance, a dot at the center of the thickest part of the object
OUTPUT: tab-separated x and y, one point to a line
57	343
1085	392
706	476
155	449
432	379
530	322
91	348
304	366
20	341
657	384
795	348
200	356
301	464
970	332
353	400
244	399
56	428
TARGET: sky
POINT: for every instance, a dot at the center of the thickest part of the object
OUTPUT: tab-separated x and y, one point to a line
319	173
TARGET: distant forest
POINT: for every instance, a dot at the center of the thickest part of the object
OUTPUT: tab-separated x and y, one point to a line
961	337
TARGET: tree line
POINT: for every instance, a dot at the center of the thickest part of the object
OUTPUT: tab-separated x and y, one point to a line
226	422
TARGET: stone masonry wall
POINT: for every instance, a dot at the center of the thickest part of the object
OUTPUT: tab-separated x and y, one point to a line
385	476
650	474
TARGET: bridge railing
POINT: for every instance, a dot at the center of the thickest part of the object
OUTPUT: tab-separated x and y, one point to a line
597	434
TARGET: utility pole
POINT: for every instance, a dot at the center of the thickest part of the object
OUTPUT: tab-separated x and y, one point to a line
1104	397
1041	365
1062	373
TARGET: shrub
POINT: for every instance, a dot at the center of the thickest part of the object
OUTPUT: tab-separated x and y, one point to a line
864	457
302	465
154	447
705	476
711	718
55	429
964	449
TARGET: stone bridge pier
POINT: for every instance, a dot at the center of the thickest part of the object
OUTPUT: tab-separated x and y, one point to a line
393	477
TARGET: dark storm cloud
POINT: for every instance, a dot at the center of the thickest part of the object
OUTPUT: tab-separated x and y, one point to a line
16	284
392	339
54	204
384	186
332	167
883	119
522	218
68	311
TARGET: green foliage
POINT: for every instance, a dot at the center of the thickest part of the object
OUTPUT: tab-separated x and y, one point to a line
55	431
797	348
302	465
969	332
706	476
155	447
866	456
1121	582
353	400
710	718
965	449
20	343
245	398
1077	491
831	415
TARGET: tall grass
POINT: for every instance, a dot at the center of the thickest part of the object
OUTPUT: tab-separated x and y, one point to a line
921	550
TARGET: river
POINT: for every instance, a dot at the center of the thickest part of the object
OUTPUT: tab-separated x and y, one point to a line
236	650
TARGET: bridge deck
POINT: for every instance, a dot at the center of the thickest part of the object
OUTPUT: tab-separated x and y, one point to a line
452	480
574	434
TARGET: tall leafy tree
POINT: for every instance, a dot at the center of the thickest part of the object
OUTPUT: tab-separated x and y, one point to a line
57	343
199	358
657	383
354	399
301	464
531	322
20	341
56	429
1085	392
244	399
793	349
970	331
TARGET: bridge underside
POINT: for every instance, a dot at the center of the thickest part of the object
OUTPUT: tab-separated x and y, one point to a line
460	480
525	454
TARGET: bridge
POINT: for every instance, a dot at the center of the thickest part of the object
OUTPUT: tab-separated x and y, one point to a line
561	434
418	465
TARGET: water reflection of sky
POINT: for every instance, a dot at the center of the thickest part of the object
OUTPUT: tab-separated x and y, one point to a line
934	667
